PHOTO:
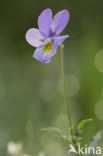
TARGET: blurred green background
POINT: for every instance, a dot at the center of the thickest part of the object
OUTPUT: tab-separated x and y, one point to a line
31	93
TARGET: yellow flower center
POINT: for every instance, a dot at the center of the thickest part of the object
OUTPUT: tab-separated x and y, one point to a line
47	47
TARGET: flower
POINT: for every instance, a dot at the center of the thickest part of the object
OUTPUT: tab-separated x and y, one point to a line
47	38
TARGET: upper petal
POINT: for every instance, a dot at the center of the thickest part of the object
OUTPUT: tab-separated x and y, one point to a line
44	21
34	37
59	22
58	40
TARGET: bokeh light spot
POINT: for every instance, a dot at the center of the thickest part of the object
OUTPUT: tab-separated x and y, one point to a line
14	148
99	61
47	90
99	109
41	153
72	84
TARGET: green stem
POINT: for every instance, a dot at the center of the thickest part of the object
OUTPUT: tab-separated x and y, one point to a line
65	90
64	85
65	95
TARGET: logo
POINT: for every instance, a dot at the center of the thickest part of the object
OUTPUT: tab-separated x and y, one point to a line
85	150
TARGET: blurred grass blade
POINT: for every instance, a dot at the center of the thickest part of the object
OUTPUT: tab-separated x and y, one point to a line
83	123
96	138
55	131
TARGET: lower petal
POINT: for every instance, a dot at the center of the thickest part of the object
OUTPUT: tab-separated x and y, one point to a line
53	52
42	57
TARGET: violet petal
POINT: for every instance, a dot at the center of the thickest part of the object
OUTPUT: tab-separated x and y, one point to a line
58	40
44	21
59	22
34	37
40	56
44	57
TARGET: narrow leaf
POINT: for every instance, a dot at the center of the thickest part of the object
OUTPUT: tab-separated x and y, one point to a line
55	131
83	123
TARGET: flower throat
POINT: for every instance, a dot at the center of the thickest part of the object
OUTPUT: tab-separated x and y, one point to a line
47	47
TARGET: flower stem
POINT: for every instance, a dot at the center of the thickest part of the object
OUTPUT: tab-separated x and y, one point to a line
65	96
65	90
64	85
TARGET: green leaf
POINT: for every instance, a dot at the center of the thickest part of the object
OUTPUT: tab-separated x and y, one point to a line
83	123
55	131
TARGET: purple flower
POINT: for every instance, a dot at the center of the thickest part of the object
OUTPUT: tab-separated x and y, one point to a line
47	38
